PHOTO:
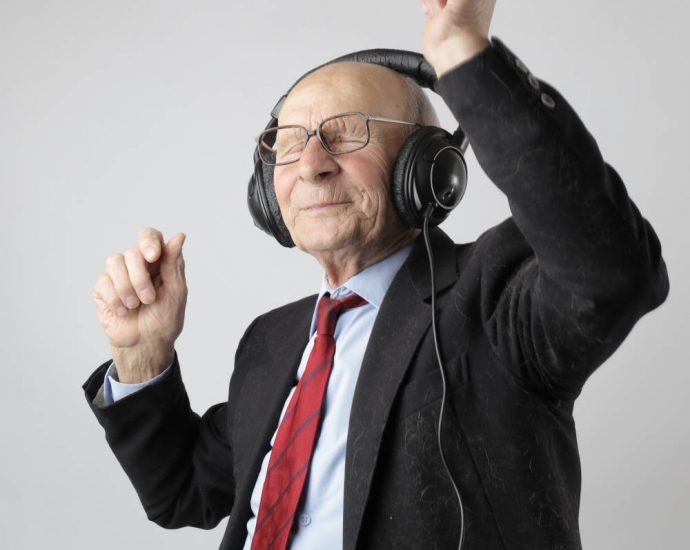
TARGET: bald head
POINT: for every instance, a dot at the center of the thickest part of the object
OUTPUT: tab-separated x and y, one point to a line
420	109
372	89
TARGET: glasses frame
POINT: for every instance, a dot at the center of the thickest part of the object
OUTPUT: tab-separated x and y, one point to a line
317	132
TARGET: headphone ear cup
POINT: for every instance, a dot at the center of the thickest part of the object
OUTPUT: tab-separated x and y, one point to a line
281	231
263	204
403	198
430	170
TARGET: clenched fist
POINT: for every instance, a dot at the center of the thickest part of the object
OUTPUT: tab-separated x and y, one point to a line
455	30
140	301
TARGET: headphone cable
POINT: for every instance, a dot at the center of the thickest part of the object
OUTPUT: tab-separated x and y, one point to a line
427	215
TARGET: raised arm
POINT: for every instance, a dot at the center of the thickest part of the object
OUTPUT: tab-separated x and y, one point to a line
596	265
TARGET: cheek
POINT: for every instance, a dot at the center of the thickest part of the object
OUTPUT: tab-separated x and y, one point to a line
374	177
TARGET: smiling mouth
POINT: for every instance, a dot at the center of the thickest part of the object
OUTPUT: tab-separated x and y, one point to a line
322	206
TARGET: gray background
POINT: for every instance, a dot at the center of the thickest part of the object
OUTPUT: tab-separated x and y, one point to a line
119	115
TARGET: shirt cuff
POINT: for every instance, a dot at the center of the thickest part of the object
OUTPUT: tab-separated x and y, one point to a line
114	390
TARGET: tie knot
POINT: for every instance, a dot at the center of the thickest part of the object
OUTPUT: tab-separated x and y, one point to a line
329	310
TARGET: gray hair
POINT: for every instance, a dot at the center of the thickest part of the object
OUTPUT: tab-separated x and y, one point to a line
420	108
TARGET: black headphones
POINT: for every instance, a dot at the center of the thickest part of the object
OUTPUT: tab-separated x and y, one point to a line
430	168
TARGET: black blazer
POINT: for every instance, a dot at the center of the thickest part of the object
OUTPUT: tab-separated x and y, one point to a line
525	314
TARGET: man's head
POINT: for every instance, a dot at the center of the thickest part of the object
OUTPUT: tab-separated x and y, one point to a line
340	206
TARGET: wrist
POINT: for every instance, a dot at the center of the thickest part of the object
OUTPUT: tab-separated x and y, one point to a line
141	363
456	50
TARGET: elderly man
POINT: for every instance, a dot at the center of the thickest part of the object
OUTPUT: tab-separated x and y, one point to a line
525	314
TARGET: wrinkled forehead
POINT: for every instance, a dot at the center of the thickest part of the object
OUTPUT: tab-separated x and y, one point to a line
343	87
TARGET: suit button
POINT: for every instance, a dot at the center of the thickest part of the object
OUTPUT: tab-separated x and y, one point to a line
304	519
521	65
548	101
533	81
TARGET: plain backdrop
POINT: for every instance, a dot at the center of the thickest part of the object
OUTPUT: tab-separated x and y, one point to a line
119	115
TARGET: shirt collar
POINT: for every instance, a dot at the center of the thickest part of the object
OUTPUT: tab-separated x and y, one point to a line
371	283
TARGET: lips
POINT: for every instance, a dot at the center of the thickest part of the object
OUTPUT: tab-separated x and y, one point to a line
324	206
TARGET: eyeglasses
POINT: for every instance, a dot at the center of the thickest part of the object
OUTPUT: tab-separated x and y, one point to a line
339	134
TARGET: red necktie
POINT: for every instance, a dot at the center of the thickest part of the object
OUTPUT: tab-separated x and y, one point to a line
294	444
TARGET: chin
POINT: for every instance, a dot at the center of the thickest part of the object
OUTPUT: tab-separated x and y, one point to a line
322	235
321	243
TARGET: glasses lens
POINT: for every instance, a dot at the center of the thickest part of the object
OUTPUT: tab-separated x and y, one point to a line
282	145
345	133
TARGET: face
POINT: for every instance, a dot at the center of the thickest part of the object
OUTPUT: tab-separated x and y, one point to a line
342	203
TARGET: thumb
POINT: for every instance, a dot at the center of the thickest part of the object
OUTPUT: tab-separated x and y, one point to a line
172	262
174	245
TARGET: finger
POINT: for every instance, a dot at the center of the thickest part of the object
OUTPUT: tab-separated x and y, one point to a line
172	262
139	276
432	7
150	243
105	297
117	271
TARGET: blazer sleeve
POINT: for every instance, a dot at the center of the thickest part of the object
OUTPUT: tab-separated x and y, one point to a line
180	464
596	265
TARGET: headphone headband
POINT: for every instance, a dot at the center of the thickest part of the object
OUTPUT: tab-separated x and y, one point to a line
411	64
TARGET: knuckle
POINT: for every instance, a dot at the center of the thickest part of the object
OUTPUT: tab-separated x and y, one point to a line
101	283
121	284
150	241
146	231
138	275
113	300
132	254
149	233
140	285
114	260
105	291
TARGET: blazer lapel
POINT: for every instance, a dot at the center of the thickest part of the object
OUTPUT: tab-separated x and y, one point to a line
404	318
263	395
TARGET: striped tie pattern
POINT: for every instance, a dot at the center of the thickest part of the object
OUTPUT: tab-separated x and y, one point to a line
288	466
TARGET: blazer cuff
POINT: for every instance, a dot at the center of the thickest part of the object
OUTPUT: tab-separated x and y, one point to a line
487	78
161	396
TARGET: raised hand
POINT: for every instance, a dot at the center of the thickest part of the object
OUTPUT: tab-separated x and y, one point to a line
140	301
455	30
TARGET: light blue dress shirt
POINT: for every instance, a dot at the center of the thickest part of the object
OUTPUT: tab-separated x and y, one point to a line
320	518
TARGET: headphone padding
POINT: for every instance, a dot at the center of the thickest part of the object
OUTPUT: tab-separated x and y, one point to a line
402	192
263	204
283	235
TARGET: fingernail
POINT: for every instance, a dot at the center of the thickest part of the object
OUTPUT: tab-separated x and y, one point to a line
122	311
147	296
150	253
131	302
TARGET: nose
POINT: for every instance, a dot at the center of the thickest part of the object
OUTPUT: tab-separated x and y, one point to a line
316	164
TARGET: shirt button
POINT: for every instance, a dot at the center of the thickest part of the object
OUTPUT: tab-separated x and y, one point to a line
533	81
304	519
